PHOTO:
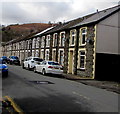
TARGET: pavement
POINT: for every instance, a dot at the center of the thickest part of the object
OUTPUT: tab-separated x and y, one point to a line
108	85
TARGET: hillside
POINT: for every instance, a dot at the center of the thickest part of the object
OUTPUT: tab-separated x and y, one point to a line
17	31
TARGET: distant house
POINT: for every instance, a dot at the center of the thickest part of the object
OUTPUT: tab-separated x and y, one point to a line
86	47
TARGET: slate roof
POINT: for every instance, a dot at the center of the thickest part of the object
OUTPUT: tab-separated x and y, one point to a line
98	16
67	25
91	18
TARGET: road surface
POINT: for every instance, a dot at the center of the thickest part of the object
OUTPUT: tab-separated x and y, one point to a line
55	94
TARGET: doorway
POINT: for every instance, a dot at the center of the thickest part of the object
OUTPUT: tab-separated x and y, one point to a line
70	69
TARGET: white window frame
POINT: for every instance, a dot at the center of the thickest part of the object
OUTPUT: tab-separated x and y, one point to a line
60	56
71	39
33	43
28	44
61	39
81	36
54	50
48	41
42	53
55	40
82	50
42	41
46	55
37	42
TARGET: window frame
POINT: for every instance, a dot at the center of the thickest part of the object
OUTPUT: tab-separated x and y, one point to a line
55	39
79	56
42	41
71	37
81	36
60	57
37	42
62	41
48	41
54	54
47	55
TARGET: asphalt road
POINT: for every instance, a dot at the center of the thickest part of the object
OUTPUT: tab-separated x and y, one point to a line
59	95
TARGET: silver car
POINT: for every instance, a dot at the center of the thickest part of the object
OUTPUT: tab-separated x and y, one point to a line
30	62
49	67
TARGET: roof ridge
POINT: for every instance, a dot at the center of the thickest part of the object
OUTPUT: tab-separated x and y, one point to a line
109	8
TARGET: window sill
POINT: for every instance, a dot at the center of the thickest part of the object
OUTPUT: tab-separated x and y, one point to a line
72	45
81	69
82	45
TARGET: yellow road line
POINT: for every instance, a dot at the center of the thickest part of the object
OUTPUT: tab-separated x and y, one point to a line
15	106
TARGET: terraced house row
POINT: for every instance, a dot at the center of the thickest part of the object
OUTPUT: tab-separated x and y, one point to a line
86	47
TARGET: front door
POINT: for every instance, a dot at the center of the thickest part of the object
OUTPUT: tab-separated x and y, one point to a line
70	69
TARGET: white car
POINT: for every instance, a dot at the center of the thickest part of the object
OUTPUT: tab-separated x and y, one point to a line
30	62
47	67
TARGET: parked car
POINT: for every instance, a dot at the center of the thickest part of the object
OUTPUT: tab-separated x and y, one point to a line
14	60
30	62
3	68
48	67
4	58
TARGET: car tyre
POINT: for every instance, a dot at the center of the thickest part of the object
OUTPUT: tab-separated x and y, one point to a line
35	70
28	67
43	72
10	63
23	66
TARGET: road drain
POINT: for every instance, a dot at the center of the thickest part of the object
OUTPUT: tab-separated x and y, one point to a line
41	82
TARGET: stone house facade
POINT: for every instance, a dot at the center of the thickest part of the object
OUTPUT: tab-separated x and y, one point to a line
82	45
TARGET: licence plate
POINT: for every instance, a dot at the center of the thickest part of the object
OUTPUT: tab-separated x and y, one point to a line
56	68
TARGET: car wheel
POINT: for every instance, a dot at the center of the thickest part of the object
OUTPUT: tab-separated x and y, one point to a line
10	62
35	70
4	75
23	66
43	72
28	67
19	63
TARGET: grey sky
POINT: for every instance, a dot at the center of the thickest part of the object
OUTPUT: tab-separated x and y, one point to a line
22	11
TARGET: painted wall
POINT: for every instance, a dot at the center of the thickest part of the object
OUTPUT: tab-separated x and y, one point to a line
107	35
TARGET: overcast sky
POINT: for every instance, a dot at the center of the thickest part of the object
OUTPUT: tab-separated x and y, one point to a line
43	11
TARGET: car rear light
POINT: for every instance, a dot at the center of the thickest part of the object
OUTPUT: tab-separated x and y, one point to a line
32	61
50	66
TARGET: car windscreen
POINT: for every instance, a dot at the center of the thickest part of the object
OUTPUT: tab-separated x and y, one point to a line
14	57
4	57
53	63
38	59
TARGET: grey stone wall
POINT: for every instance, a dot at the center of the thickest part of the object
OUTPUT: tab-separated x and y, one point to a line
90	45
66	50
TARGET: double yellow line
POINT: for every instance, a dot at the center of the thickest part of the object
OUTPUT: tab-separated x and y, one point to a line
14	105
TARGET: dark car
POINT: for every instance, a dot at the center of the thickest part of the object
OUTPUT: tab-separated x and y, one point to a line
3	68
14	60
4	58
